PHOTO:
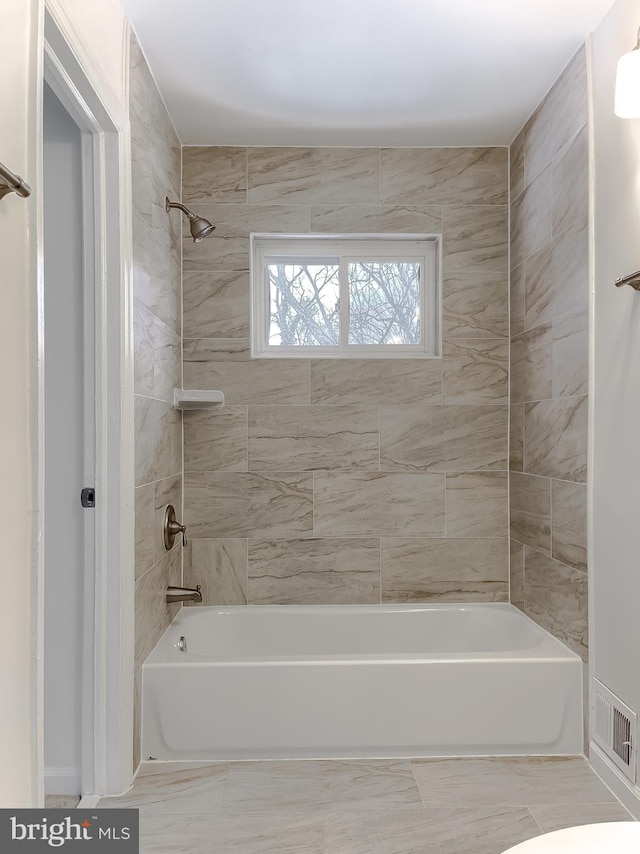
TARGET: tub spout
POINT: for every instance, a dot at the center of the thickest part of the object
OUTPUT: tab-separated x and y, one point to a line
184	594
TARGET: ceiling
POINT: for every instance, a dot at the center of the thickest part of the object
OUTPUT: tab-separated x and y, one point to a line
357	72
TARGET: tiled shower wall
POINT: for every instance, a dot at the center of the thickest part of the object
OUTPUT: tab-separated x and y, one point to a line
549	361
156	323
348	481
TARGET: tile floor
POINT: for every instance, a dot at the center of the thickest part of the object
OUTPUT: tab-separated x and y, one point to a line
433	806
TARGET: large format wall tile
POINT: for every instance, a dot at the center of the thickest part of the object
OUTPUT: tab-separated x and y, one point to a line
516	574
475	304
377	219
530	500
145	519
152	613
555	438
516	158
375	381
167	491
214	174
569	530
158	438
241	504
516	300
570	190
531	218
516	437
216	440
475	371
443	438
571	354
475	238
156	277
444	176
220	568
314	572
531	364
477	504
216	305
416	570
313	175
555	596
301	438
226	364
352	504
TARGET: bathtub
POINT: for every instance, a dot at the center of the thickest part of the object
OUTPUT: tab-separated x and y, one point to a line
258	682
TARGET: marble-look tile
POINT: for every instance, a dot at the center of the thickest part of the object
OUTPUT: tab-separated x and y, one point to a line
143	322
444	176
216	440
61	802
532	365
433	831
320	786
555	596
214	174
530	507
516	574
242	504
516	437
557	277
216	305
167	361
174	789
220	568
313	176
376	219
562	114
167	491
475	238
516	300
443	438
475	371
306	438
569	523
447	570
314	572
477	504
228	247
555	438
156	276
137	719
352	504
158	440
571	183
474	304
571	354
152	613
260	834
552	817
226	364
375	381
531	218
516	158
144	504
509	781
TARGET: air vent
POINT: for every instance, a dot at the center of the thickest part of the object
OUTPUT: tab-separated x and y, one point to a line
615	728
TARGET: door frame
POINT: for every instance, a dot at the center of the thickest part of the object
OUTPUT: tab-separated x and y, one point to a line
108	620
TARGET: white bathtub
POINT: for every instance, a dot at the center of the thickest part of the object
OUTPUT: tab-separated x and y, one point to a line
359	681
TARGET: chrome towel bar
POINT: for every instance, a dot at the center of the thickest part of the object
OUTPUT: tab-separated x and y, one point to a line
10	183
633	279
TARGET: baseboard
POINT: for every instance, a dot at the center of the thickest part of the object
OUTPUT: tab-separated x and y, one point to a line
623	789
62	781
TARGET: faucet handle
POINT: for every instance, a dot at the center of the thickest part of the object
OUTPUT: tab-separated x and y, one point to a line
172	528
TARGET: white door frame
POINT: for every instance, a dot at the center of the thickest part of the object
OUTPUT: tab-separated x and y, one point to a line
108	670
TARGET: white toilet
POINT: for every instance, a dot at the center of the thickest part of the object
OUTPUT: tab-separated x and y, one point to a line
614	837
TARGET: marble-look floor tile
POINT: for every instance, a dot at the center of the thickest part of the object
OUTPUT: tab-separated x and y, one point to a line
443	438
226	364
307	438
555	438
477	504
216	440
212	834
571	182
556	817
174	788
314	572
571	354
474	304
220	567
475	371
61	802
516	574
422	570
532	365
444	176
429	831
313	176
569	529
375	381
216	305
516	159
530	507
509	781
555	596
531	218
352	504
320	786
475	238
214	174
247	504
376	219
516	436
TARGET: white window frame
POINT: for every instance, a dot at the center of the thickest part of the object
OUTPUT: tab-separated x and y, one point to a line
425	248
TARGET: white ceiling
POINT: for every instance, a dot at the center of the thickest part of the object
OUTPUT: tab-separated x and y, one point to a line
357	72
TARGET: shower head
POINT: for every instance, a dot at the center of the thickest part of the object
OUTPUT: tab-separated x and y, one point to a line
200	227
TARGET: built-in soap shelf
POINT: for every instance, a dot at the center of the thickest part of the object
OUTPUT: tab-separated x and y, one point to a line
189	399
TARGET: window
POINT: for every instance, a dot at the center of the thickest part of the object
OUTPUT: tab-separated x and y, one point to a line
329	296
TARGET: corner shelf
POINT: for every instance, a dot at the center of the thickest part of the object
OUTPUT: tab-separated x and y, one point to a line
197	399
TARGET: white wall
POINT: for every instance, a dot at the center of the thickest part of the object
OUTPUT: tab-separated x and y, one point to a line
615	527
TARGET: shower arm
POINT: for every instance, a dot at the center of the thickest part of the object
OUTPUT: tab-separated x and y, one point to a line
168	205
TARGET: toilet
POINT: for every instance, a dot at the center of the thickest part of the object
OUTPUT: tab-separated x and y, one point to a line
614	837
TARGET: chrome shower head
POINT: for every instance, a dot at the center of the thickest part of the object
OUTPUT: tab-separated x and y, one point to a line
200	227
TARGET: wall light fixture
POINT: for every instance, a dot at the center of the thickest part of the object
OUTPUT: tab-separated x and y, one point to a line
627	100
